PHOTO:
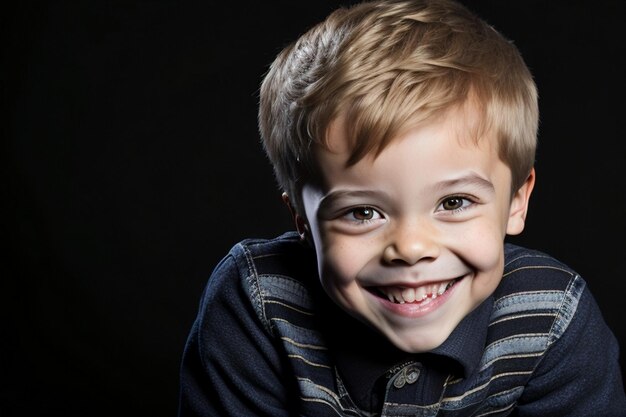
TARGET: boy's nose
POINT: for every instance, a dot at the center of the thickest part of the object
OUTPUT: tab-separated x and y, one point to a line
411	242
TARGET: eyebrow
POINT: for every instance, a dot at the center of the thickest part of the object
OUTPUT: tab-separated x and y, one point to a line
471	179
331	198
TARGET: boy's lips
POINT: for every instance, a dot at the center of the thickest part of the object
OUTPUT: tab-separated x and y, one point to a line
400	294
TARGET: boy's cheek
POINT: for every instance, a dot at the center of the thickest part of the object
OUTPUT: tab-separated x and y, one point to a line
481	245
339	262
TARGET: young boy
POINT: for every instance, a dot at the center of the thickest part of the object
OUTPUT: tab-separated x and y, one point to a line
403	135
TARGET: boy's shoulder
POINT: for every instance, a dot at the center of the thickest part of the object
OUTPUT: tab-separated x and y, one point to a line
532	271
284	255
534	304
274	271
289	241
518	256
263	266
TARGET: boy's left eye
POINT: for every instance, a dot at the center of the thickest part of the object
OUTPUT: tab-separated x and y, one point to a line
455	203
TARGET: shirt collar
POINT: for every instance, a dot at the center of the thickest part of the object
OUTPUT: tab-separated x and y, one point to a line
467	341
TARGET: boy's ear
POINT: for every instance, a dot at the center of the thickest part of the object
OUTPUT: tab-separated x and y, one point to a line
519	206
299	221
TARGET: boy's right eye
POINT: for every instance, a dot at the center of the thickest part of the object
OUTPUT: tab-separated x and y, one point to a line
362	214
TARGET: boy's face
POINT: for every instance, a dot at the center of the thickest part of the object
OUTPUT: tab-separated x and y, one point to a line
412	241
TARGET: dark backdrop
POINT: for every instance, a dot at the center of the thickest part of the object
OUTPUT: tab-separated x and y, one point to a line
133	163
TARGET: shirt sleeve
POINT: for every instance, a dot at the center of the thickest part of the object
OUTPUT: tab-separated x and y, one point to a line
230	364
580	374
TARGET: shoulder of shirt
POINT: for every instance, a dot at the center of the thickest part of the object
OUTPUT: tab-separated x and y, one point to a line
275	274
263	255
528	271
533	306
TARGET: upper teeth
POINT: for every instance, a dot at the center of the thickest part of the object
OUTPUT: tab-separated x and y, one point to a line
409	295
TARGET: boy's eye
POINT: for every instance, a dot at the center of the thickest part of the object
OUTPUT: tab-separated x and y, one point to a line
452	203
363	214
455	203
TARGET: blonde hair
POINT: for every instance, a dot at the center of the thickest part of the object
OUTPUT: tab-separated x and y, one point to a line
385	65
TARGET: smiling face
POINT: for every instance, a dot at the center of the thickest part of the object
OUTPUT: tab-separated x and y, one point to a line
411	241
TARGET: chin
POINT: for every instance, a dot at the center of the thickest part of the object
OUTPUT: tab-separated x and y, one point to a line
421	343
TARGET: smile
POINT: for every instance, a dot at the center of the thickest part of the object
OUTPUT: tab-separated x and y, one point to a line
402	295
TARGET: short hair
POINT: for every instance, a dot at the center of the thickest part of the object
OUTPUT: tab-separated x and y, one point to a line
386	65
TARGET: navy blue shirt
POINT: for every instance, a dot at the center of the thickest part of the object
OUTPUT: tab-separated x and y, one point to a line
268	341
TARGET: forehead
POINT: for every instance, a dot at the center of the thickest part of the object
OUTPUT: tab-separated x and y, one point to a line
465	122
438	150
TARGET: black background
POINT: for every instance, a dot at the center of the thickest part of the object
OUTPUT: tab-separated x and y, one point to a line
132	163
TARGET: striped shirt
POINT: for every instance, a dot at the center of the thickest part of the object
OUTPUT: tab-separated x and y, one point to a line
267	341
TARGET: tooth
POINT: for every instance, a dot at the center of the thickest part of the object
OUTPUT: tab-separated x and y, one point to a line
420	294
397	294
408	294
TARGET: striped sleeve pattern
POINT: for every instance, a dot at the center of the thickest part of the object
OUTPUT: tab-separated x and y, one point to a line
533	306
